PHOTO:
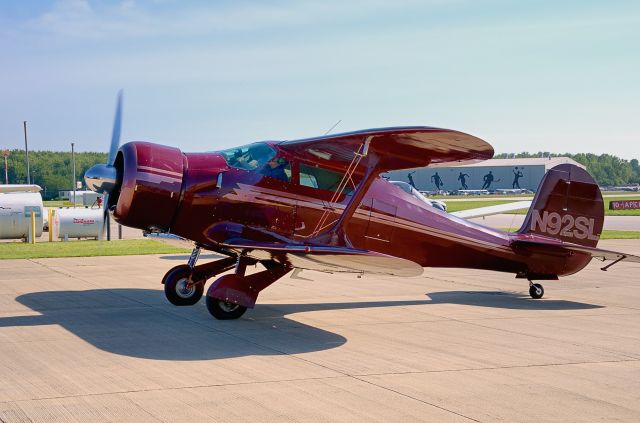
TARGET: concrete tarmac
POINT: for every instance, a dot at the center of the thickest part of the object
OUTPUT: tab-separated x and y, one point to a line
93	339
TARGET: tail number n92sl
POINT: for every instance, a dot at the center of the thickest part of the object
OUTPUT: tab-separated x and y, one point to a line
566	225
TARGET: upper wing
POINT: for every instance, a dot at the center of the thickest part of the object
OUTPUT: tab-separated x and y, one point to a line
326	258
489	210
397	148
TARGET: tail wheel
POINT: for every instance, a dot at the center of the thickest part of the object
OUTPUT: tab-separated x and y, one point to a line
178	289
223	310
536	291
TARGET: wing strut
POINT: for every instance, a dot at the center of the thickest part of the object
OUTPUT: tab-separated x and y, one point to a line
357	157
335	236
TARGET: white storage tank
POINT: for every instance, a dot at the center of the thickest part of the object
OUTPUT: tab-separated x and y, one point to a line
78	223
15	214
89	198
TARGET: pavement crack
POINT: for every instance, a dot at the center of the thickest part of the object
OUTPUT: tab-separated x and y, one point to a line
171	388
478	369
60	272
416	399
344	374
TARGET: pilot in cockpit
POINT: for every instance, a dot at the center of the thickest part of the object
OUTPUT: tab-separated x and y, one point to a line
275	168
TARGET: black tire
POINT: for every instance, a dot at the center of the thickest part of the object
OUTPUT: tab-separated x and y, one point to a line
223	310
536	291
175	288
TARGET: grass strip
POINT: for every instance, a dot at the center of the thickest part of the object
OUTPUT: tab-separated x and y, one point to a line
57	203
611	234
20	250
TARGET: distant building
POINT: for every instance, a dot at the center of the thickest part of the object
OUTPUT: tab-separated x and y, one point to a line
86	198
490	174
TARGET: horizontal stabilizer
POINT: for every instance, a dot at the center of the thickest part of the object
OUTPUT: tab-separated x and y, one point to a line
324	258
597	253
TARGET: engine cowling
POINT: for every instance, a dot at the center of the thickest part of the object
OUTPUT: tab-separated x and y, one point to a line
149	185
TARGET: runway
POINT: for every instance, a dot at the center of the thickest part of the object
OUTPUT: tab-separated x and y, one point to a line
93	339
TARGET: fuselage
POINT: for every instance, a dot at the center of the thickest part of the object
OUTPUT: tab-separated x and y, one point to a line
388	220
275	197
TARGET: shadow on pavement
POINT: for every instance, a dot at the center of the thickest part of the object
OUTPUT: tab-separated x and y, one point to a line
140	323
505	300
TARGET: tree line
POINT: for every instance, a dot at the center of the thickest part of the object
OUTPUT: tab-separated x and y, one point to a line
606	169
52	170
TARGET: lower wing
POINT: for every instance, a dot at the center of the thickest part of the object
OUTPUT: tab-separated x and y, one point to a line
327	258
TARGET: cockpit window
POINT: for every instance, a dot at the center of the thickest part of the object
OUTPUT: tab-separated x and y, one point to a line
249	157
317	177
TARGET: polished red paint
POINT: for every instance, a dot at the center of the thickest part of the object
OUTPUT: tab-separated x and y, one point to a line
397	148
164	189
149	193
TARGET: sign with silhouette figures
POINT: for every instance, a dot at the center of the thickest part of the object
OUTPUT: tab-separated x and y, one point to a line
496	175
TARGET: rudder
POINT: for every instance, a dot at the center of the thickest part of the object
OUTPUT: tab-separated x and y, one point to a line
567	206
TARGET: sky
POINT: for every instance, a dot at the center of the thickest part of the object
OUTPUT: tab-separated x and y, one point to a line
558	76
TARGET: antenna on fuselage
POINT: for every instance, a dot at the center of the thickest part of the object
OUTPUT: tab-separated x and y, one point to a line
333	127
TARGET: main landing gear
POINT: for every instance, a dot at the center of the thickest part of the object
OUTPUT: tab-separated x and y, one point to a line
224	310
179	289
230	295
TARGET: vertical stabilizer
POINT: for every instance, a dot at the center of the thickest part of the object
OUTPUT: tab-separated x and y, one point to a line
568	206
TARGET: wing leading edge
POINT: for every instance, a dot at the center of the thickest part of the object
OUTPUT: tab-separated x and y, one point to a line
397	148
327	258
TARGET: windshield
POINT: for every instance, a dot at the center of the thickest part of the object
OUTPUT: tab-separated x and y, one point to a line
249	157
411	190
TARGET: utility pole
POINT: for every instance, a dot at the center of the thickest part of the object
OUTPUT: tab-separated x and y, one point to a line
6	153
26	152
73	160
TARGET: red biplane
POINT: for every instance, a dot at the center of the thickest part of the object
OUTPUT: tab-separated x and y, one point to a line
320	204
